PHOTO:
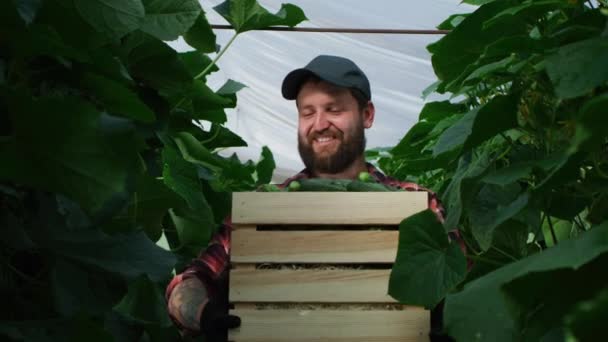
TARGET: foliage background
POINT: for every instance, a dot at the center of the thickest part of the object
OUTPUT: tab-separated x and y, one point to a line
103	157
518	156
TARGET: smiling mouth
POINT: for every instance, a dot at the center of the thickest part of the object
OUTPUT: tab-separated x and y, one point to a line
324	140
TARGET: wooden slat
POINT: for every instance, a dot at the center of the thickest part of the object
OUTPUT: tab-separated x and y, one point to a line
310	285
331	326
314	246
326	207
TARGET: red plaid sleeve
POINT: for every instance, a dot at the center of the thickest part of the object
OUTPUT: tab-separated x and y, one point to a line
209	266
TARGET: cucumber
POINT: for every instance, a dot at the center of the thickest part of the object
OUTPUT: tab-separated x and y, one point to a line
365	177
269	188
322	184
294	186
359	186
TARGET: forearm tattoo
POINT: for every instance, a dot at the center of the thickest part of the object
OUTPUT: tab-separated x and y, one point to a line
187	302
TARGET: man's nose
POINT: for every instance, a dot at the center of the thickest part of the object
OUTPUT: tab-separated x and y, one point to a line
321	122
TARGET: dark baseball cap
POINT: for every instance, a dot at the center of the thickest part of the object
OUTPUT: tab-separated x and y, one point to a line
336	70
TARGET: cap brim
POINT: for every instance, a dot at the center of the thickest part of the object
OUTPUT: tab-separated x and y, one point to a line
293	81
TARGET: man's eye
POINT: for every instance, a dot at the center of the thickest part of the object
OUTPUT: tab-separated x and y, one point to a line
334	109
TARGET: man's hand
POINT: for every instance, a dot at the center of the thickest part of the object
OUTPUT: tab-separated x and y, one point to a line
197	313
187	302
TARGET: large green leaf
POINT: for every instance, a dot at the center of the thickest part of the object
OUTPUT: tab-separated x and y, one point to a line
193	229
128	255
479	125
544	312
577	68
144	303
246	15
265	166
587	318
117	98
151	202
182	177
196	62
169	19
457	134
200	36
471	166
194	152
27	9
115	18
491	207
70	148
529	10
480	312
143	56
456	51
428	266
75	290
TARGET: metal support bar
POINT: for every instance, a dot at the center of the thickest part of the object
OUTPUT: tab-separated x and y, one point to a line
340	30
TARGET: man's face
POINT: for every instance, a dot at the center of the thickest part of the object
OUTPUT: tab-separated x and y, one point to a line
330	127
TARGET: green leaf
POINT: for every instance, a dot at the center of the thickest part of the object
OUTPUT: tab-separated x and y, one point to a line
246	15
529	10
144	55
114	18
480	311
452	21
492	207
460	190
480	124
587	318
437	111
27	9
265	167
83	154
196	62
144	303
220	136
428	266
509	243
486	70
117	98
509	174
457	134
577	68
76	291
182	177
456	51
151	202
200	36
193	229
544	312
194	152
128	255
169	19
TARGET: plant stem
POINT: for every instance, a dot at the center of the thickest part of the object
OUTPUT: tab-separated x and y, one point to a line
219	55
504	253
215	134
208	68
552	230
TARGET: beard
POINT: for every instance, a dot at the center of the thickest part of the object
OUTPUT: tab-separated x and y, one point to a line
349	149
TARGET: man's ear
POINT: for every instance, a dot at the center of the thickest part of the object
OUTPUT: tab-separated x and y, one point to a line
368	114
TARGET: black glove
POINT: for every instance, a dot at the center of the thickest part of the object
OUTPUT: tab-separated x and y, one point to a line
215	321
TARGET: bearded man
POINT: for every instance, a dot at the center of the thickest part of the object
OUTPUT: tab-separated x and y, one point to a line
333	100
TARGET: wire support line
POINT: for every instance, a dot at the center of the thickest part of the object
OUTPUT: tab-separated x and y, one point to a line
339	30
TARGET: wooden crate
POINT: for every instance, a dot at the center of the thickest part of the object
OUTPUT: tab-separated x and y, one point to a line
314	266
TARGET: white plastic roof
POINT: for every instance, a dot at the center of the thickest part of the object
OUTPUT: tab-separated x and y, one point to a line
398	67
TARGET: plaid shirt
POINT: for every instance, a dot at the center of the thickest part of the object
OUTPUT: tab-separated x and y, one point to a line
212	264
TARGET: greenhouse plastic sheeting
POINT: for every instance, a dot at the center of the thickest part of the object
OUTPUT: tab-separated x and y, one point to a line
397	65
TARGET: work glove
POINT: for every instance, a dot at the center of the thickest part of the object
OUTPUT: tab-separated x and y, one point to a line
216	321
